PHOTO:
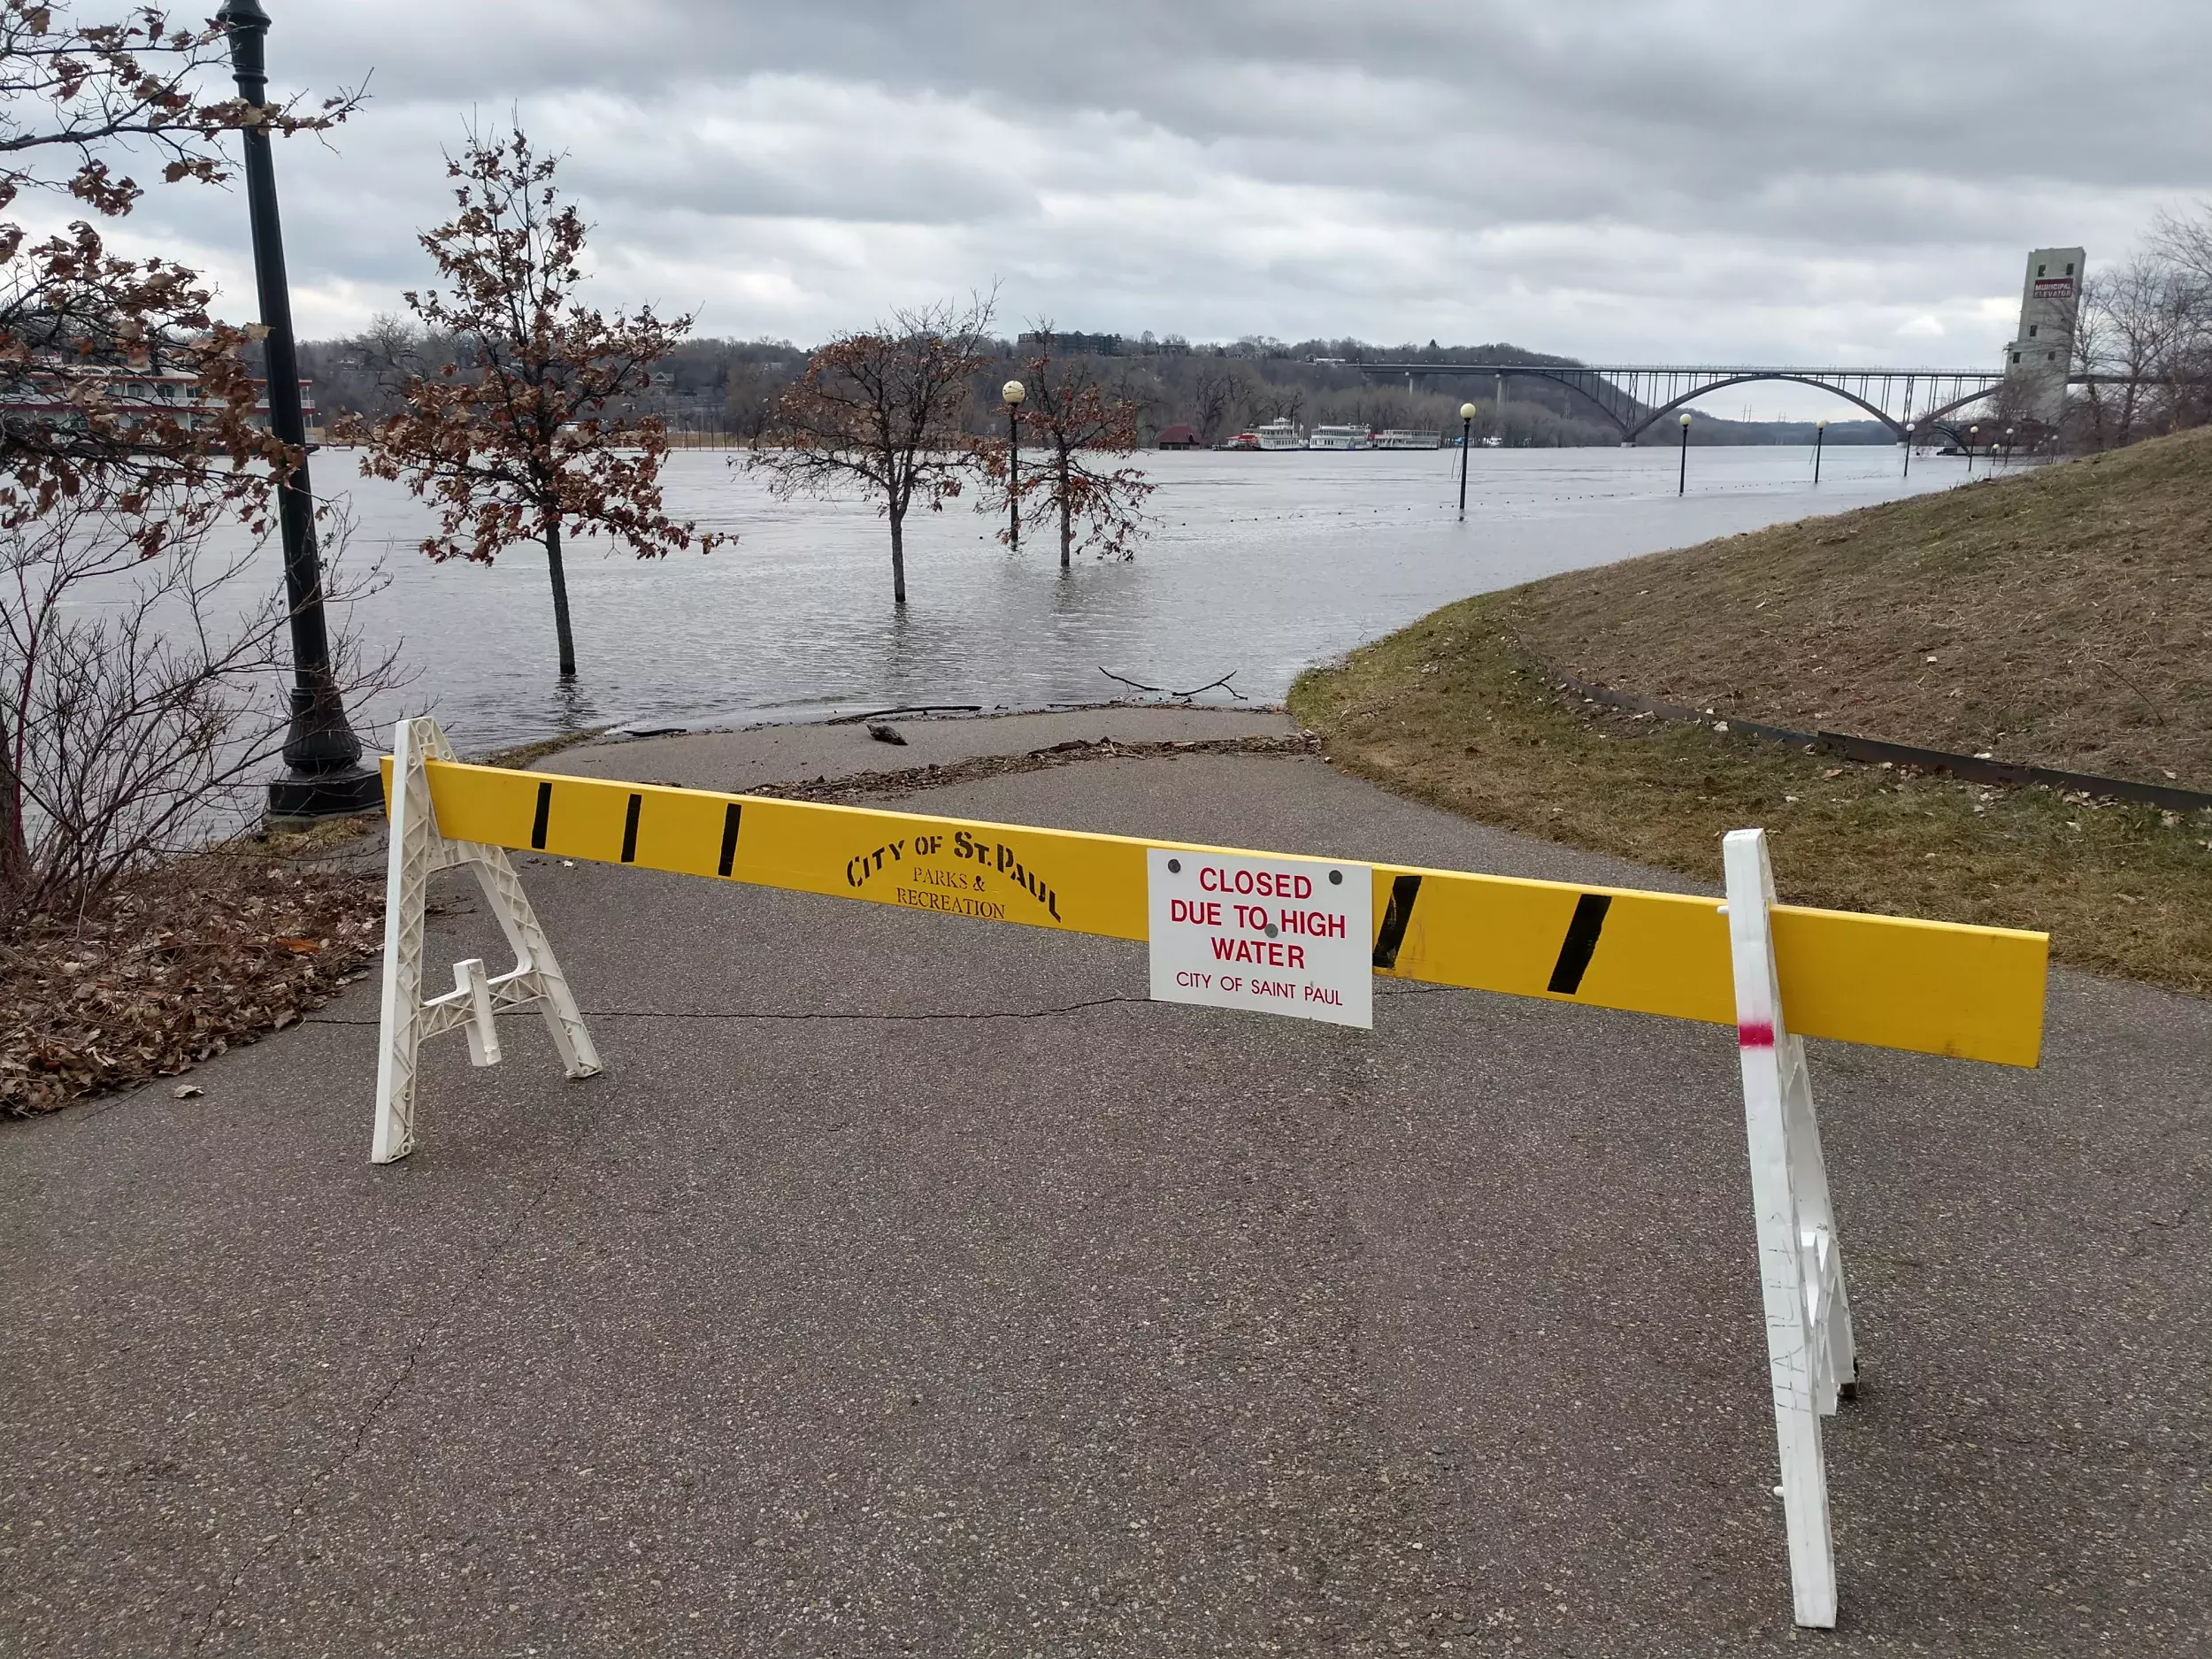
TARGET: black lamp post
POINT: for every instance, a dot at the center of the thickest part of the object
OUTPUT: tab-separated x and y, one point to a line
1012	393
1909	448
1466	442
324	776
1973	435
1820	437
1682	481
2008	448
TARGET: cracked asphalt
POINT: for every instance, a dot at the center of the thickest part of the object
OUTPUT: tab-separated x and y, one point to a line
911	1285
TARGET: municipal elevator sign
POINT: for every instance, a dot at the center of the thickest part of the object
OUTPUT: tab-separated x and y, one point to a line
1271	935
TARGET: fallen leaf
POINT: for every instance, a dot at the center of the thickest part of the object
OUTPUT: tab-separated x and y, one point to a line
185	1091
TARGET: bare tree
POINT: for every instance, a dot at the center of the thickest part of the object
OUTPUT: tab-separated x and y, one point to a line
1214	390
1073	418
527	435
141	699
748	398
878	414
1282	402
2183	242
2138	313
2089	417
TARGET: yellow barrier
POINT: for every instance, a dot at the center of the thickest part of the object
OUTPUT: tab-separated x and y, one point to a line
1932	987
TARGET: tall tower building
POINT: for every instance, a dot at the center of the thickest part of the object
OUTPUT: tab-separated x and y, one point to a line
2037	361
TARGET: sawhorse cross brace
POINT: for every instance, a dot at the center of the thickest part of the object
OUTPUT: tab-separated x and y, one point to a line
417	852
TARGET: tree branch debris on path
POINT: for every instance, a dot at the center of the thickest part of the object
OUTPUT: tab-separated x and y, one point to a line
176	965
1221	684
875	785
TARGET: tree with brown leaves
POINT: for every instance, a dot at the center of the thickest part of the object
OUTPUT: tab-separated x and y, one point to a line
86	337
1075	418
530	434
879	413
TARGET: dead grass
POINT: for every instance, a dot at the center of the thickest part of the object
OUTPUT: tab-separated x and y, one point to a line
2061	616
180	963
1457	710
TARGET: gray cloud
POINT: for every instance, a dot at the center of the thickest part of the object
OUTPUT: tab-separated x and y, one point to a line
1683	178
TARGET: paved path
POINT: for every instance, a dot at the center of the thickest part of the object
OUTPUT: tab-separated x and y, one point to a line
912	1286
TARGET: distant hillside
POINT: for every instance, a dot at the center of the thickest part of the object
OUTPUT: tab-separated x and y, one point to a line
725	387
2062	617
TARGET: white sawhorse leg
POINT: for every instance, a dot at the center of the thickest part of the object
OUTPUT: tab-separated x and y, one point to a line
417	852
1809	1355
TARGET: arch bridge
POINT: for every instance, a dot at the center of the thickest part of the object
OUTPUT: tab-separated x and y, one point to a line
1635	397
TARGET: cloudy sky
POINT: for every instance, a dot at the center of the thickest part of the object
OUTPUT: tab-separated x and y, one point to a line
1641	180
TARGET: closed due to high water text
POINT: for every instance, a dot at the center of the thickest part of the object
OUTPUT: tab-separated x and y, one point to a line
1235	931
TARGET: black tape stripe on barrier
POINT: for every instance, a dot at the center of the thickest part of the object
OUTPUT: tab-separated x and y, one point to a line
629	829
1580	944
1403	891
729	839
545	812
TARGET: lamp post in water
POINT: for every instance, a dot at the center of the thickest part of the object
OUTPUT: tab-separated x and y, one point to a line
1973	435
1909	448
324	776
2008	448
1012	393
1466	442
1820	437
1682	482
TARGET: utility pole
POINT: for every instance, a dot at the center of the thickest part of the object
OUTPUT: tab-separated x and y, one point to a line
324	776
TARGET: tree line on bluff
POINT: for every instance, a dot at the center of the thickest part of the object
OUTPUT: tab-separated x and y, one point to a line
727	389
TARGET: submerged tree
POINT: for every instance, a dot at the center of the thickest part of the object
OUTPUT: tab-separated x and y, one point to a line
1075	418
878	414
531	433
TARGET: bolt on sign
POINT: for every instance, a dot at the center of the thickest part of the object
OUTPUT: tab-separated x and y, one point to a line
1268	934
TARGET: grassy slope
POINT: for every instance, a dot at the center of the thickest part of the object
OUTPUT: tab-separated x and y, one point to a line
2068	611
1459	709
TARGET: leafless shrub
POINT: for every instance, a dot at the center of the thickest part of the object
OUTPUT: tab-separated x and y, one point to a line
140	697
2144	337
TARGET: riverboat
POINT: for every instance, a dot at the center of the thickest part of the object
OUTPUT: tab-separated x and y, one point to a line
1279	435
1398	438
1243	440
1337	438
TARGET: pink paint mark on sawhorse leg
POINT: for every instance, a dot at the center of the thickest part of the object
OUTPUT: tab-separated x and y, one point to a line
1754	1036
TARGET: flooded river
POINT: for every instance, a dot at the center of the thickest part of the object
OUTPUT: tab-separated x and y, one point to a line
1260	563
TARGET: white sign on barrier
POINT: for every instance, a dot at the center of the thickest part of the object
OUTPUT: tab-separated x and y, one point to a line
1269	936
